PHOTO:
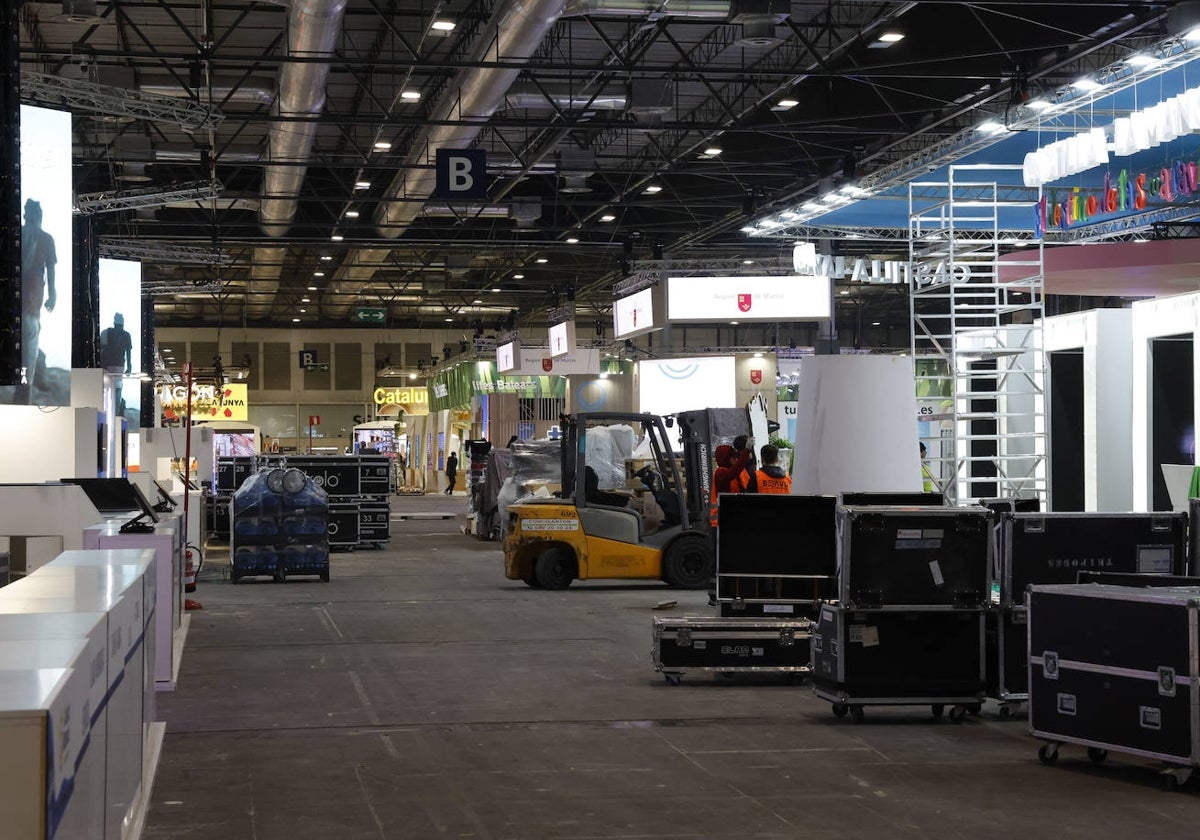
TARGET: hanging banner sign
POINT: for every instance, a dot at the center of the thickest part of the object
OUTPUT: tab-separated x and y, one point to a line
208	403
537	361
769	298
562	339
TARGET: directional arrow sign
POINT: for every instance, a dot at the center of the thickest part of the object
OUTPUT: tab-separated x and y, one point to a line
321	368
370	315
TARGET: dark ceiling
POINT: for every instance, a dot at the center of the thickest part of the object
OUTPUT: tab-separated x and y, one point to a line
580	105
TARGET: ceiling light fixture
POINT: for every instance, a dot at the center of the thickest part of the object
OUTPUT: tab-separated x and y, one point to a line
410	95
517	277
382	146
541	260
749	229
476	302
652	189
302	310
886	40
351	214
295	320
990	127
326	258
305	300
1142	60
362	185
448	320
318	274
337	237
1086	84
412	376
787	104
713	151
312	288
571	240
443	25
747	262
758	355
608	217
495	290
1039	105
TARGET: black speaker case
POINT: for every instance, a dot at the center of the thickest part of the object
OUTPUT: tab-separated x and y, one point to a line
910	558
686	644
1116	668
898	658
1052	548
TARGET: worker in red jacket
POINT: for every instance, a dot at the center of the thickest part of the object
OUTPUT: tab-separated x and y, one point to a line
771	477
731	476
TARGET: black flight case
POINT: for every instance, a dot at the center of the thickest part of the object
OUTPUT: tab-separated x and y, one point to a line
684	644
1116	668
776	554
896	658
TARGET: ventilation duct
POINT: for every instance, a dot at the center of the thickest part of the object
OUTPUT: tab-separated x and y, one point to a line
715	9
533	100
513	34
313	29
575	185
79	11
254	92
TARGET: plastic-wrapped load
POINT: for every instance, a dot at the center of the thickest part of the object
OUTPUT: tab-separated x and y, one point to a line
608	448
280	524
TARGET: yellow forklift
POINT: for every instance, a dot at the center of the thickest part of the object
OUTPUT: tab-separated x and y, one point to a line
593	528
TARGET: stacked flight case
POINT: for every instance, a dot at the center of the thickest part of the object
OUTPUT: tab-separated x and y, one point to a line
776	557
228	476
907	628
1051	548
1116	668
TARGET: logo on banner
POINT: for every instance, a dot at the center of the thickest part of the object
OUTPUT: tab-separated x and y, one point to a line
678	372
744	303
547	364
756	377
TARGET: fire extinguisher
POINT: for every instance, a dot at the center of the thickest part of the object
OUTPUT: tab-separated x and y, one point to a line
193	561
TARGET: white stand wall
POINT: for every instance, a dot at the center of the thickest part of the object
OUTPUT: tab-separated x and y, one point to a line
1175	315
856	426
1105	336
47	445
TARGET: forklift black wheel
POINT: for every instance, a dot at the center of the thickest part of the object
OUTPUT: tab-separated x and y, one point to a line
688	563
555	568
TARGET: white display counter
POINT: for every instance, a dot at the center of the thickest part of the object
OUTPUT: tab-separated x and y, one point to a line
118	591
57	512
39	712
164	541
1104	337
79	756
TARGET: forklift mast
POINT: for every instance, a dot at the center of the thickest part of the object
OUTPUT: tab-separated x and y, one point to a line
700	433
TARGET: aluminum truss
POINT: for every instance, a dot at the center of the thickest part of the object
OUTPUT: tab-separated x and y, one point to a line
977	342
94	98
147	197
163	253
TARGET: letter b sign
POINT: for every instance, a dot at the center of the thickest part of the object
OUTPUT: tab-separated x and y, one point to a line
461	173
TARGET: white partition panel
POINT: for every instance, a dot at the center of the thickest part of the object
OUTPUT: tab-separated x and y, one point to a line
856	426
1153	319
1105	337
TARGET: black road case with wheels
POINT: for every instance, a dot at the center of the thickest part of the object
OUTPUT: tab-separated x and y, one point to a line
1046	548
925	557
1115	668
776	554
883	658
684	644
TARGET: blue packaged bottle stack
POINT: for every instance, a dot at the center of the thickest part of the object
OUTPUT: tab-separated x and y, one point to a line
280	522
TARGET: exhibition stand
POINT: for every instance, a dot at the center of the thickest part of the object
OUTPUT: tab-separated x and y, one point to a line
45	519
1090	362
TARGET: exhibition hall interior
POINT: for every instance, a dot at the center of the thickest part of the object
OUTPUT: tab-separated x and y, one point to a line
599	419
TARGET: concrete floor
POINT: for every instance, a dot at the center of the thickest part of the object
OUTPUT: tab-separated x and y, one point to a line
422	695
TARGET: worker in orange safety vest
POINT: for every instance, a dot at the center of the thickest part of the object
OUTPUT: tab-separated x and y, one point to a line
731	476
771	477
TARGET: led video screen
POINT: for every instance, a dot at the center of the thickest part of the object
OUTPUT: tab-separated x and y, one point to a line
121	333
46	259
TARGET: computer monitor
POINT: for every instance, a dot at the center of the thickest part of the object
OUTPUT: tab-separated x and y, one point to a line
118	495
166	504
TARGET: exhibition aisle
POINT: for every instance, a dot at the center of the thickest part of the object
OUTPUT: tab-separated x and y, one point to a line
419	694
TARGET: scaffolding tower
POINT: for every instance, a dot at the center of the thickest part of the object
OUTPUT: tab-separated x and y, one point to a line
977	340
